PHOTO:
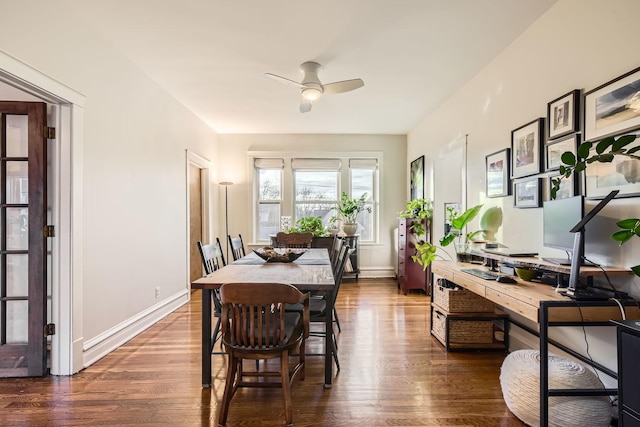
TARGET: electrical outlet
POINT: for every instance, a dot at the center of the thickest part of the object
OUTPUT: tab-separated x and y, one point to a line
158	292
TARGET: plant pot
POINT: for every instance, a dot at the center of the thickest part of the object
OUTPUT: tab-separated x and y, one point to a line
463	251
350	228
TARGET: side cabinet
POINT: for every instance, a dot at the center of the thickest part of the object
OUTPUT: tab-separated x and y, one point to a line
410	273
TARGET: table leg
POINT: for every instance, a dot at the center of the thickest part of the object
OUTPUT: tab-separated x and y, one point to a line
328	347
206	337
544	365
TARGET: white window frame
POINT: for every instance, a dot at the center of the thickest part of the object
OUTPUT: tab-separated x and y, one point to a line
287	207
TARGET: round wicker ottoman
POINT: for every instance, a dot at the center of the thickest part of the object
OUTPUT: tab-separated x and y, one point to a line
520	383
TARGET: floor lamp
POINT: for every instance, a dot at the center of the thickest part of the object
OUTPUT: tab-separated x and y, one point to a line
226	214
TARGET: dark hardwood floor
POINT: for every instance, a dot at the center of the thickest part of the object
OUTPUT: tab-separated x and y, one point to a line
393	374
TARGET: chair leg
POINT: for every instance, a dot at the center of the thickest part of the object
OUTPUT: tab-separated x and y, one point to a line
335	319
335	353
232	366
286	387
216	335
303	365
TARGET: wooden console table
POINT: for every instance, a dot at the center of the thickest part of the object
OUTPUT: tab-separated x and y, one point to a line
540	303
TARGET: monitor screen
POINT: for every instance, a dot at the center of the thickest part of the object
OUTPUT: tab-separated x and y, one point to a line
559	217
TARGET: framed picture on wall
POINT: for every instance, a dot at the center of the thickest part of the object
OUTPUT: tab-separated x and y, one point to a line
527	193
555	149
563	115
568	187
613	108
497	174
417	178
526	149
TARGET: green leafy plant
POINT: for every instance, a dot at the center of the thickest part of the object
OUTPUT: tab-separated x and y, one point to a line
350	208
309	224
605	151
418	208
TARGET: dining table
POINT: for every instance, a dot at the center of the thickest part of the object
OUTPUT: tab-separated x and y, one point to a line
311	271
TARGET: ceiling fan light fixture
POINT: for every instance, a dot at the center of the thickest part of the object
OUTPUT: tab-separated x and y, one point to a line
311	93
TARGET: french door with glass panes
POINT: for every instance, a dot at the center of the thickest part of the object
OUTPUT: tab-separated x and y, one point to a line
23	248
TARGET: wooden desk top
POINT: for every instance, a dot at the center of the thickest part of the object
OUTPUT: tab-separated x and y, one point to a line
523	297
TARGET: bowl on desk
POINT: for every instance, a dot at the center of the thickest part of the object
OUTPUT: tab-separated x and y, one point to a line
526	274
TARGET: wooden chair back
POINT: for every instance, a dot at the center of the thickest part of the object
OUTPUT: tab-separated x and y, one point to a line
294	240
237	247
334	254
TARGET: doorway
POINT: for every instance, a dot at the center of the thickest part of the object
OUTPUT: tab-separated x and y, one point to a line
197	210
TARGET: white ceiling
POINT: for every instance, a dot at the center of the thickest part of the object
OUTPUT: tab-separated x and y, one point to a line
211	55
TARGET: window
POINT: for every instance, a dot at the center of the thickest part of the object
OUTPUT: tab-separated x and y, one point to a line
269	196
299	187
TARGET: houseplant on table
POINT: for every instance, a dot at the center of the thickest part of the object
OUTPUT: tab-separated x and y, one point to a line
309	224
349	209
605	151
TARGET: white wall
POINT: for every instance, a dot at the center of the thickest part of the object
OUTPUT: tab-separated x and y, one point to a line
134	234
577	44
375	260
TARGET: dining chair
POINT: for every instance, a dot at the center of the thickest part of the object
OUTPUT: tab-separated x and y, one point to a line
294	240
255	326
237	247
212	260
318	306
334	253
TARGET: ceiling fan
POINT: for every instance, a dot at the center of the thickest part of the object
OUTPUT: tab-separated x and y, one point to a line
312	88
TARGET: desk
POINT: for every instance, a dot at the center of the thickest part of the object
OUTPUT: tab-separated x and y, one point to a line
300	273
540	303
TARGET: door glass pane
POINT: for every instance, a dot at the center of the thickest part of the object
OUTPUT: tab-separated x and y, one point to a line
17	322
17	182
17	133
17	275
17	229
269	220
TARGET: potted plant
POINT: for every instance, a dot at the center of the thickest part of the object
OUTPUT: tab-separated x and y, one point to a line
420	209
333	227
605	151
309	224
349	210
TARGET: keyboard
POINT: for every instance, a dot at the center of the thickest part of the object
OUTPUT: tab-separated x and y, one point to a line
483	274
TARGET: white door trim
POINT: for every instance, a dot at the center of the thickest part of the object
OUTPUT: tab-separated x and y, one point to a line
205	182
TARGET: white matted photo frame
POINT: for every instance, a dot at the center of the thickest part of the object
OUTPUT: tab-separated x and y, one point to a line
526	149
417	178
622	173
555	149
497	173
563	115
527	193
568	186
613	108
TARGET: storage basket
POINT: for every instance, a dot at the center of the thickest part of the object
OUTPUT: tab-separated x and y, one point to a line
462	331
459	300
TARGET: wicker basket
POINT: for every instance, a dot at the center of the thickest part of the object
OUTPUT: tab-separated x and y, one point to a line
460	300
463	331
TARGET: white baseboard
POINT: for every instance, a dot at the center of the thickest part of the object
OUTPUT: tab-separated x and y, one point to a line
103	344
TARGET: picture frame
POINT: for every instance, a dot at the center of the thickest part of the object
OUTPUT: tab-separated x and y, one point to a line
417	178
613	108
599	179
563	115
526	149
555	149
498	173
527	193
568	187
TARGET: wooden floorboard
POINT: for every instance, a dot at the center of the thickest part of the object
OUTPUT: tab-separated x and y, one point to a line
393	374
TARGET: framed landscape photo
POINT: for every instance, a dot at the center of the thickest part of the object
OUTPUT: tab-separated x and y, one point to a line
622	173
417	178
554	150
568	187
563	115
527	193
526	149
613	108
497	173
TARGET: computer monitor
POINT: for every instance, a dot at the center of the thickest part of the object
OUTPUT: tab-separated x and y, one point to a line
558	218
578	243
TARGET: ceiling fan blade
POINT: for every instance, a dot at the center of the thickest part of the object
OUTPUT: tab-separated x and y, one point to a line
305	106
283	80
343	86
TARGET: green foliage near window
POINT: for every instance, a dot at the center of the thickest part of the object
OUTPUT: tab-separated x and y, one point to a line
418	208
309	224
605	151
350	208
